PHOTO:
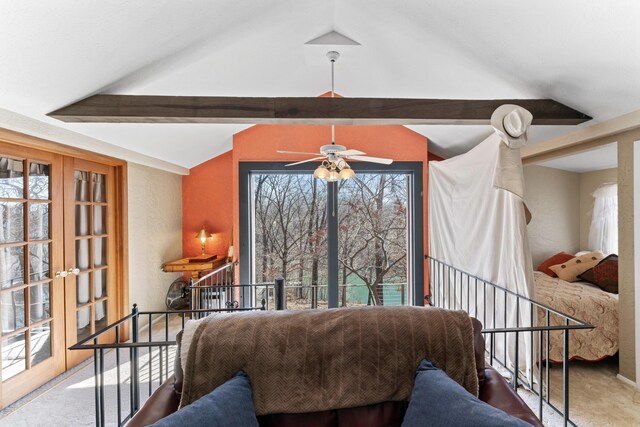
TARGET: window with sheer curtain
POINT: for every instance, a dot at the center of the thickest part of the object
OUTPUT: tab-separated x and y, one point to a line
603	234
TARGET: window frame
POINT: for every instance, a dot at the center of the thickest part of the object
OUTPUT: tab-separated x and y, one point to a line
415	235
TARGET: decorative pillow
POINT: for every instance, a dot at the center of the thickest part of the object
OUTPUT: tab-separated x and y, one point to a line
558	258
229	404
570	270
440	401
604	275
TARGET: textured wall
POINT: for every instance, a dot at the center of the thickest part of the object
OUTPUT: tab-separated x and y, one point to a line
589	181
207	200
553	196
626	274
155	233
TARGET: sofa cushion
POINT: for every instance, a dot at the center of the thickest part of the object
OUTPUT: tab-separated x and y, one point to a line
443	402
231	403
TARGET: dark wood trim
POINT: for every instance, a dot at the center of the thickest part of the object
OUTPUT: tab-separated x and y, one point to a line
317	111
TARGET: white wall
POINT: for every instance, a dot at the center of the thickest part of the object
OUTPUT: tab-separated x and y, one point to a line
155	233
553	197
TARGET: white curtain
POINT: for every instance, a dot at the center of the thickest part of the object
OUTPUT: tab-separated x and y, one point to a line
603	234
477	224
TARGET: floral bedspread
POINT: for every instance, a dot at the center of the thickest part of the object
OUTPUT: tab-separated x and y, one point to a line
585	302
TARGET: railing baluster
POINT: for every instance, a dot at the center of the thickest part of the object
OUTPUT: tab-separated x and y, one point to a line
150	356
102	412
118	392
565	374
547	359
540	384
135	373
517	343
96	365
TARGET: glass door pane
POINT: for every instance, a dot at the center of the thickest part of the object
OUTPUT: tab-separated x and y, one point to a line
25	266
289	225
91	251
373	245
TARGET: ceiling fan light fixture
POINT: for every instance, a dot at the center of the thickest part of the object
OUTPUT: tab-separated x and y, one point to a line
321	172
346	173
333	176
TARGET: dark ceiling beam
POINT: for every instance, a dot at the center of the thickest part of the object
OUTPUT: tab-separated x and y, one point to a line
316	111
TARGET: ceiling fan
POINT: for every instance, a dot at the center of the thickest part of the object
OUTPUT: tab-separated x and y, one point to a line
334	166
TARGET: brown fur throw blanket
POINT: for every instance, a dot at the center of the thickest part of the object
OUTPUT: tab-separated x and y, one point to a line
315	360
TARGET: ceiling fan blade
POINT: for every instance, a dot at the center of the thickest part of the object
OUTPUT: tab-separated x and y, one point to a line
350	153
305	161
298	152
371	159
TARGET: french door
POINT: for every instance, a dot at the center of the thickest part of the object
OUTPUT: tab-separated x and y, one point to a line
31	248
89	248
56	262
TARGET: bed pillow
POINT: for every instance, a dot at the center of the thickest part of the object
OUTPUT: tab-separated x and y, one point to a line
604	275
570	270
558	258
231	403
443	402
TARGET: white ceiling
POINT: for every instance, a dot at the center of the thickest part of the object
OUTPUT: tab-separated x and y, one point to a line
583	54
605	157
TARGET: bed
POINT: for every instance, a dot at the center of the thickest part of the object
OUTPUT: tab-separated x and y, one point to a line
583	301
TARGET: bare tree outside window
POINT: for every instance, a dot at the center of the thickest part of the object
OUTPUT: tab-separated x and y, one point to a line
290	237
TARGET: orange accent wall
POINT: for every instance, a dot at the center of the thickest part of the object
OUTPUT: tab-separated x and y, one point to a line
207	200
211	189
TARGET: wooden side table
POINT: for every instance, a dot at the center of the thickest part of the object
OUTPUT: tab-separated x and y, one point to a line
194	265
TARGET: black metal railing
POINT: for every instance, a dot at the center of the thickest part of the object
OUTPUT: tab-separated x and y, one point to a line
217	290
149	352
515	328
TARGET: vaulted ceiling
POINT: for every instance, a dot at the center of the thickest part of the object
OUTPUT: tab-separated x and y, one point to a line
52	53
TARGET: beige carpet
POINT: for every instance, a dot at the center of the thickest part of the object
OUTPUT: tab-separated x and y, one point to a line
597	398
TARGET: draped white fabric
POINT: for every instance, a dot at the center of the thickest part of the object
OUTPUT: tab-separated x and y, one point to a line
477	224
603	233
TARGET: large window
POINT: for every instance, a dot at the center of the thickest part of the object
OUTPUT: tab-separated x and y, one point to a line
354	242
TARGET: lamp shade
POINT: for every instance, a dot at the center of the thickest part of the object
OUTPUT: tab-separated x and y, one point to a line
346	173
202	234
333	176
321	172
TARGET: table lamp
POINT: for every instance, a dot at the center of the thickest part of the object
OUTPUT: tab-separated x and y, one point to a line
202	235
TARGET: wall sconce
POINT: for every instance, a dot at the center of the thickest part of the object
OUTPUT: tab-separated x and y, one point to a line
202	235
